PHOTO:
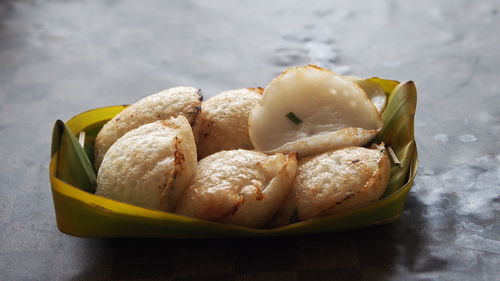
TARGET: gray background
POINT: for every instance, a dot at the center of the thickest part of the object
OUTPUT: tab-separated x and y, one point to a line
59	58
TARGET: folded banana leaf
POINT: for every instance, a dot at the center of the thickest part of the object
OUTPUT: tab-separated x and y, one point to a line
81	213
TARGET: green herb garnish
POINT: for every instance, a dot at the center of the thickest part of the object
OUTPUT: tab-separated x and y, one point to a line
293	118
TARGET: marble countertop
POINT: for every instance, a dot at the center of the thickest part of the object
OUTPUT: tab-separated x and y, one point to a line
60	58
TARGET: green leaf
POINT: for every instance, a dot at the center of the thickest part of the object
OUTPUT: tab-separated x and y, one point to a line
74	166
398	119
90	136
387	85
57	132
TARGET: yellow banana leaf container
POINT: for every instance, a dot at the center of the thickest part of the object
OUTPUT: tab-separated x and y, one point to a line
81	213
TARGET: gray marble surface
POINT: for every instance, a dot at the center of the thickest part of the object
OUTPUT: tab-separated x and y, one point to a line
59	58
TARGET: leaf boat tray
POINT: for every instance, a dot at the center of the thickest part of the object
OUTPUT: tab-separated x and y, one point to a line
81	213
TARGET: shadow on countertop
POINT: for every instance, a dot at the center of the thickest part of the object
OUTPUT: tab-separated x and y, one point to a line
375	253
